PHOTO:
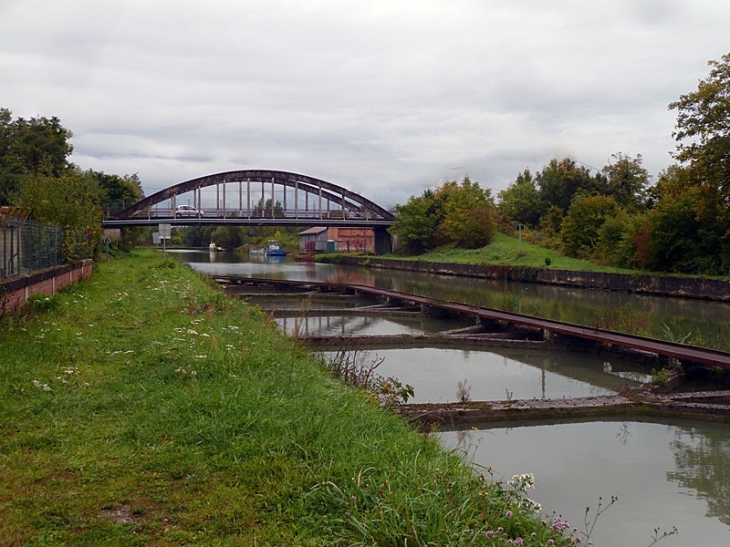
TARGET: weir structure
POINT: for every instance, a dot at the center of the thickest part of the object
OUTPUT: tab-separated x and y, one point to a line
524	331
549	328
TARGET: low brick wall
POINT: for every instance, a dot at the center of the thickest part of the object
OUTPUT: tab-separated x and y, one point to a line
14	293
688	287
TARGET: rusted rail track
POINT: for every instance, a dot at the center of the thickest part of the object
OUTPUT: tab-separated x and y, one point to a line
682	352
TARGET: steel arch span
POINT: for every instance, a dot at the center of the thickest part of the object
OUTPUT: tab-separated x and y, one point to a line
350	203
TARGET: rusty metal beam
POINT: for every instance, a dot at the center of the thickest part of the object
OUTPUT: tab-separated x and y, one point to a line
683	352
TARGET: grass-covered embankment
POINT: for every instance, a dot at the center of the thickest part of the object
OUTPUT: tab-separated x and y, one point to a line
505	250
145	408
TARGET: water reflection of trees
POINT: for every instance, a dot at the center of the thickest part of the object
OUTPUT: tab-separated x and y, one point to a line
703	464
704	322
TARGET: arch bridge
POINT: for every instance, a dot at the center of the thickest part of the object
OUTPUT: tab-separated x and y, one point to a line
260	198
255	197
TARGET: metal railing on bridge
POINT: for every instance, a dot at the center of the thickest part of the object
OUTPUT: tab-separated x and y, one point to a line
213	212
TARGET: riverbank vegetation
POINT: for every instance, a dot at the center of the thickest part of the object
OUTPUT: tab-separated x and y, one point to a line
455	213
143	407
613	215
239	238
507	250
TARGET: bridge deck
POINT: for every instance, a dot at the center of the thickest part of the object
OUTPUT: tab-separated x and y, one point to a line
682	352
245	221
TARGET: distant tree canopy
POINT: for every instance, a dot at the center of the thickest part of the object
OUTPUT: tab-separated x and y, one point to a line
35	172
521	202
543	200
627	181
581	226
455	213
559	181
116	192
35	147
615	216
415	222
703	136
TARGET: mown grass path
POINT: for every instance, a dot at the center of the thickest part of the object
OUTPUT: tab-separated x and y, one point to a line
143	407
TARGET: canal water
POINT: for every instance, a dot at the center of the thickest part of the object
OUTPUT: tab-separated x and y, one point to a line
664	473
503	373
704	323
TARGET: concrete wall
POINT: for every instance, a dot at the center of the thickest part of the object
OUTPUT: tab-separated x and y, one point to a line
15	293
688	287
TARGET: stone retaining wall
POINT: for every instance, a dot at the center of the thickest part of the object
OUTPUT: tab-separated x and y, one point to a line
688	287
14	293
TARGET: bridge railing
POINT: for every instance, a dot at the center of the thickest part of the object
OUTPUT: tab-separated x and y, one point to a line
230	212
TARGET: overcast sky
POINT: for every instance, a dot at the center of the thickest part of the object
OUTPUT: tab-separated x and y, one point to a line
385	97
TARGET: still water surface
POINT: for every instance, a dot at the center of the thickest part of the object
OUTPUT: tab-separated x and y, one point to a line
664	475
673	473
695	321
499	374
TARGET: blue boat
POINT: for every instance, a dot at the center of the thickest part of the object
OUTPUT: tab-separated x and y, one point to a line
273	249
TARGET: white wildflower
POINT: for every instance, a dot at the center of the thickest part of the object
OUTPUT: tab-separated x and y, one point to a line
41	386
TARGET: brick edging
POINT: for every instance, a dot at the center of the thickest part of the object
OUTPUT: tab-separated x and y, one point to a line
14	293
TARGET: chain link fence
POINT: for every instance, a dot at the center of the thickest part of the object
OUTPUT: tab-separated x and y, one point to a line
27	246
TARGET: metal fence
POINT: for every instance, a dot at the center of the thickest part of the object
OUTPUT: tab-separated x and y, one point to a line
27	246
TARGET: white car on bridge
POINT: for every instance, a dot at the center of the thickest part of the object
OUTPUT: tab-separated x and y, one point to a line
187	211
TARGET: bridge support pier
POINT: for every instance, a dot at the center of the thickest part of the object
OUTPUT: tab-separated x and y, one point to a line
383	242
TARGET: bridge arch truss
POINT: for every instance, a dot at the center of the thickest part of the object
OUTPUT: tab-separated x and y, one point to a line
308	197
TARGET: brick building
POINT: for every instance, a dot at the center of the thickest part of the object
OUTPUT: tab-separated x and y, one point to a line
322	239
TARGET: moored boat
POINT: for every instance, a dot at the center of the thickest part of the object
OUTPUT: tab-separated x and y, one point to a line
273	249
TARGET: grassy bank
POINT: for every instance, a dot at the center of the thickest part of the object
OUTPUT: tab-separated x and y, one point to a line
145	408
508	251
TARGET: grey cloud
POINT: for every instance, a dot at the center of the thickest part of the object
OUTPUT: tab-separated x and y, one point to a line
385	96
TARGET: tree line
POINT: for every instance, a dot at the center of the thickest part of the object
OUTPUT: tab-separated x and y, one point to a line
613	215
35	172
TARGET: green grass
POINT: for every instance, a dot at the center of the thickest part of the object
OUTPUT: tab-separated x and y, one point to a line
507	251
145	408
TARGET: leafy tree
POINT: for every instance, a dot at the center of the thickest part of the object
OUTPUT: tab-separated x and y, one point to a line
196	236
617	240
479	228
227	237
559	181
117	192
677	240
627	181
552	221
35	146
458	202
38	146
68	201
703	137
581	225
685	232
521	201
415	222
263	208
